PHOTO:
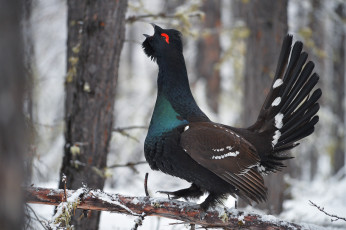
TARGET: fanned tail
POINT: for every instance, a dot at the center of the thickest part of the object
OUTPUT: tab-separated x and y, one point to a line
289	111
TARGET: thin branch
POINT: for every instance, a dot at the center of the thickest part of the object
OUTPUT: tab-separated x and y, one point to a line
331	215
146	184
139	222
187	212
192	227
37	218
129	164
134	18
130	127
123	132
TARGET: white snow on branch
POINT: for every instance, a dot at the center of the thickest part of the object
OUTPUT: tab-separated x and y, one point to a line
111	200
64	209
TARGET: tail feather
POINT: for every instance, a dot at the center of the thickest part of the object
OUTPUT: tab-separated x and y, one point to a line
295	55
301	95
298	132
292	80
289	111
290	120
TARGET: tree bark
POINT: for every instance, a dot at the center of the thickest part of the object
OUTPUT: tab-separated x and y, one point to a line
209	52
267	22
338	155
12	123
147	206
29	69
95	39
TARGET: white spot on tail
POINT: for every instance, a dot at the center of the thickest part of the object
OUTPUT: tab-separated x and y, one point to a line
277	101
186	128
277	83
276	137
261	168
229	154
278	120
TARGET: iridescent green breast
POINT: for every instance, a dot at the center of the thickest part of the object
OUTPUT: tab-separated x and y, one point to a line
164	118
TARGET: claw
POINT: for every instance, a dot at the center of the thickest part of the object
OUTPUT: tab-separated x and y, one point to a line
168	194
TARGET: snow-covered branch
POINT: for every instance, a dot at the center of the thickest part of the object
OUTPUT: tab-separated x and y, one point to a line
149	206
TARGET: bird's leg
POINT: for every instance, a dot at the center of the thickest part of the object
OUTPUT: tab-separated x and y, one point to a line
211	201
192	192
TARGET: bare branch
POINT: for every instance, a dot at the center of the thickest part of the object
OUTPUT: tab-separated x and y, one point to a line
146	184
173	209
124	133
129	164
130	127
134	18
331	215
37	218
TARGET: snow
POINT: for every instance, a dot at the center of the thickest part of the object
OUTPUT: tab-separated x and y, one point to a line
136	91
111	200
328	193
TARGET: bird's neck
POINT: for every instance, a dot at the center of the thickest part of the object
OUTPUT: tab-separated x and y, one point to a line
175	104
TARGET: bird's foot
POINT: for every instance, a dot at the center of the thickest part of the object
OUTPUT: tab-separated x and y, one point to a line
192	192
171	195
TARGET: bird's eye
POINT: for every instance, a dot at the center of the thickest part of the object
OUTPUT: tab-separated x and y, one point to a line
166	37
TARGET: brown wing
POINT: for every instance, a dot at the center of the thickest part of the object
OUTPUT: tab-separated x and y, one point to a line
226	154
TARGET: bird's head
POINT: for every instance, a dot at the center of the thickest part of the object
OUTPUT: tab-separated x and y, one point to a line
162	42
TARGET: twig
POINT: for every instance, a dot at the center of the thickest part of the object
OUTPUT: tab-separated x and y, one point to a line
130	127
129	164
192	226
37	218
139	221
64	180
331	215
146	184
121	130
134	18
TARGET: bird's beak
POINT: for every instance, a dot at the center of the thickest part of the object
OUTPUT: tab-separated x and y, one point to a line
156	27
146	35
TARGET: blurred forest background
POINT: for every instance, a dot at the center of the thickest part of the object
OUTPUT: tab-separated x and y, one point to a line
231	49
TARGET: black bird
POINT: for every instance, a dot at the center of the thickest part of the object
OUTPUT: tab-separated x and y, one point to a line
219	159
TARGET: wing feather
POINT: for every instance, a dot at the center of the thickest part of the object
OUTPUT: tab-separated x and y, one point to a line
228	155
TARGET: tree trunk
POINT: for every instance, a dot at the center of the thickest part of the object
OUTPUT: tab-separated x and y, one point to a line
29	66
209	51
267	22
12	123
338	157
95	39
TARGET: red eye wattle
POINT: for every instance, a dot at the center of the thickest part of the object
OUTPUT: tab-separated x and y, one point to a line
166	36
